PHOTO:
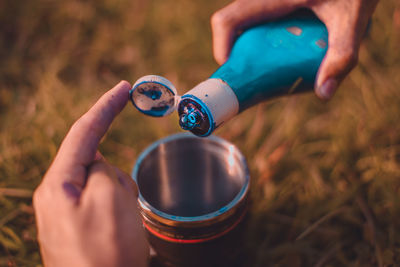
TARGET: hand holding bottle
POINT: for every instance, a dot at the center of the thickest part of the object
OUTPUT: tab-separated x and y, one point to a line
346	21
86	209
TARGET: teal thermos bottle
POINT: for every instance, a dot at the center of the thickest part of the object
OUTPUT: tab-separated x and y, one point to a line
272	59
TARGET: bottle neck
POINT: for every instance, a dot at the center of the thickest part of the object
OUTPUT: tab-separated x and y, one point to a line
213	100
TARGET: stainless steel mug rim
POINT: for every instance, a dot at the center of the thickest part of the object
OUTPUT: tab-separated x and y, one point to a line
209	216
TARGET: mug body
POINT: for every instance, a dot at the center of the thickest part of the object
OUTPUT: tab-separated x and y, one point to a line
193	197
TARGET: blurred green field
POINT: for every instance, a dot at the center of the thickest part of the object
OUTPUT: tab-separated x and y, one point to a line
326	176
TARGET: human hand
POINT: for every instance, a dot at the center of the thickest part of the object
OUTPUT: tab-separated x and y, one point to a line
346	21
86	209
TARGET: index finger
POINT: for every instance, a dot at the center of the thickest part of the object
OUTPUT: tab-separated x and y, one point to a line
79	147
240	15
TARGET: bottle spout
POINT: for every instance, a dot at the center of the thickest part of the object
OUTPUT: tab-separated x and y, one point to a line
189	119
194	117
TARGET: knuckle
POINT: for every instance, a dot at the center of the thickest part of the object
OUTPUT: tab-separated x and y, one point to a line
100	167
82	121
37	196
216	19
77	124
220	19
87	123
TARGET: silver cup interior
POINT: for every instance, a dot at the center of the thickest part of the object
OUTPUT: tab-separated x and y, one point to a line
190	176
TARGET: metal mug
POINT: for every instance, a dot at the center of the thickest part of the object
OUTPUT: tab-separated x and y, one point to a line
193	197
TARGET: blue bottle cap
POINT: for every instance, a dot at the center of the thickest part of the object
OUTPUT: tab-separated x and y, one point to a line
154	95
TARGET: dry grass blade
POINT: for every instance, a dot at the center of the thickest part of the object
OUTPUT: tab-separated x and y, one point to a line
9	239
256	129
16	192
324	218
371	226
267	166
10	216
328	255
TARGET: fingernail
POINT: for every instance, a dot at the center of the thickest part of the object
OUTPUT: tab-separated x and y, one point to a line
328	89
123	82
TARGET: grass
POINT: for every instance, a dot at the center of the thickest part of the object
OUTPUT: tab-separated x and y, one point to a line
325	176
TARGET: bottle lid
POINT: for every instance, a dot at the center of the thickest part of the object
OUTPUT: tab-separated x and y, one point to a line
154	95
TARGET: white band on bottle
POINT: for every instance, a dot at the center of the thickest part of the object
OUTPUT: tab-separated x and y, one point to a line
218	97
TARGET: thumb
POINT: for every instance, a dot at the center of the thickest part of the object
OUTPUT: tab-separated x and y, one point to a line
340	59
